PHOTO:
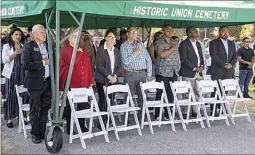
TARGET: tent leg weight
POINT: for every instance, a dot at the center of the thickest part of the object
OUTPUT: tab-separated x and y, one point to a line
53	139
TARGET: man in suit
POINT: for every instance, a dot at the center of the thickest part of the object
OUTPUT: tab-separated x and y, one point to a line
192	62
37	81
223	55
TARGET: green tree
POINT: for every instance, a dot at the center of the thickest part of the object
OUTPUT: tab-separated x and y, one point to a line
247	30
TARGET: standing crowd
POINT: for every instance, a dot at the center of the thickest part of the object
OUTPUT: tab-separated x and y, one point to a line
26	62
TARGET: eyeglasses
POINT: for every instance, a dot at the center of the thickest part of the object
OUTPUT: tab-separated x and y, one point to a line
133	31
169	30
110	37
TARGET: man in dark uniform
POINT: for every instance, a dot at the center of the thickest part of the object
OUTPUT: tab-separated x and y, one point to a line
37	81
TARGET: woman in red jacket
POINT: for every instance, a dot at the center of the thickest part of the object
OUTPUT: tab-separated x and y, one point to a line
81	77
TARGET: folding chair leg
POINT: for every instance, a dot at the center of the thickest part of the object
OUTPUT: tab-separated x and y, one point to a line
137	123
71	129
143	115
114	126
225	114
199	116
247	112
171	118
181	117
234	111
90	124
103	128
20	123
206	116
228	109
149	120
188	113
160	116
80	133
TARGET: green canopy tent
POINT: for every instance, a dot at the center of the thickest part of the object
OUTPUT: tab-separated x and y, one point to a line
104	14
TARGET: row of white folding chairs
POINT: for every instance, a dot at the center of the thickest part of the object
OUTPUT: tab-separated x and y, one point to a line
204	87
81	95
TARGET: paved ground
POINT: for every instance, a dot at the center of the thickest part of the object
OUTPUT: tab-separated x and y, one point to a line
220	139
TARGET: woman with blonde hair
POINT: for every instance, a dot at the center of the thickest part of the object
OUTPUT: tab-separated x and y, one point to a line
81	75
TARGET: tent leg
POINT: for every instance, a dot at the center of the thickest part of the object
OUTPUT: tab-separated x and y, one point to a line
56	112
49	41
72	61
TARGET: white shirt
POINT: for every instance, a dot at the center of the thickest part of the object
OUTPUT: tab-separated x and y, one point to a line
111	55
225	43
194	44
44	54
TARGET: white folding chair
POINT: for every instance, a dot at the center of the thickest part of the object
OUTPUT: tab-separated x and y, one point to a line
231	92
79	96
156	104
22	108
122	108
179	88
205	89
25	108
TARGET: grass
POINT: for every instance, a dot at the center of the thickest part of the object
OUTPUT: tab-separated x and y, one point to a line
250	104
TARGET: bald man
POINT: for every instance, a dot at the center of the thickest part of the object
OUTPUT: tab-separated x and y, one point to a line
37	81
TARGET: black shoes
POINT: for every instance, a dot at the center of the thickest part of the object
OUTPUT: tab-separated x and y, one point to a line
10	125
247	96
36	139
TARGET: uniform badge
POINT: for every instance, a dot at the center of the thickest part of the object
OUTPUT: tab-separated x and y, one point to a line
36	49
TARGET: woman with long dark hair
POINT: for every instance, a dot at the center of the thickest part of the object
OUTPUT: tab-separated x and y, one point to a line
14	73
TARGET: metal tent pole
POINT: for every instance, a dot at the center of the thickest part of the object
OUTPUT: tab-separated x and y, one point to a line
56	110
49	41
73	59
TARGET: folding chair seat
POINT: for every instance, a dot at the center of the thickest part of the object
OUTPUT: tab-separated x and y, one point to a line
179	88
24	108
231	92
126	107
159	104
206	87
80	96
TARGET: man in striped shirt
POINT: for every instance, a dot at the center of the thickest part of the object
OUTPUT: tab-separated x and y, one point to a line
137	64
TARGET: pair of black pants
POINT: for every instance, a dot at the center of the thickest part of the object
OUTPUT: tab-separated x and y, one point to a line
40	103
102	99
169	92
80	106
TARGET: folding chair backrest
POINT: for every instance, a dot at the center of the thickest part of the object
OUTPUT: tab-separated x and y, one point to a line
118	88
182	88
207	77
81	95
206	87
19	90
153	85
230	88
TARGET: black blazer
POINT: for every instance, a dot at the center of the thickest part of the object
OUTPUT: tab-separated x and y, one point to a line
219	58
33	65
103	64
189	58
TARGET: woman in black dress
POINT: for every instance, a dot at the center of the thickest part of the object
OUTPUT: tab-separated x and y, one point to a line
14	73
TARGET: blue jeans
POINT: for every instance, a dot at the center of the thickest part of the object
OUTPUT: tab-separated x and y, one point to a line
244	80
